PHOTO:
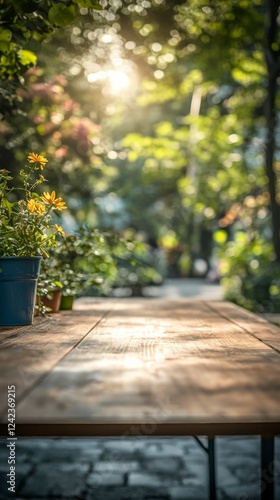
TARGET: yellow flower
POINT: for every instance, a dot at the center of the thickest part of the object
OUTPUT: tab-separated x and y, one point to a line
35	207
59	229
52	200
34	158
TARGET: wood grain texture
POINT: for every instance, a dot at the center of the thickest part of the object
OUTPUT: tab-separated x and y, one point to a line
10	331
28	353
257	326
178	364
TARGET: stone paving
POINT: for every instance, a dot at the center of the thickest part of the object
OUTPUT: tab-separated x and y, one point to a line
136	468
132	469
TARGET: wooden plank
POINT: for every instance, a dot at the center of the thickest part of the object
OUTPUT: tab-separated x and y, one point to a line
255	325
164	362
10	331
28	353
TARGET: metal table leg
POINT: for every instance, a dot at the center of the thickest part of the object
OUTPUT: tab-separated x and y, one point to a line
210	450
267	468
212	471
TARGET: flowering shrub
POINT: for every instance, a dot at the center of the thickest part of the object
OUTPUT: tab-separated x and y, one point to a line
26	226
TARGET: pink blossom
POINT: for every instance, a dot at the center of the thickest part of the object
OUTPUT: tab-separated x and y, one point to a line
61	152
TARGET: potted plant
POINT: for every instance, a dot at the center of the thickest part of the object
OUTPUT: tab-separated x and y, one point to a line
49	288
27	232
66	266
87	262
73	284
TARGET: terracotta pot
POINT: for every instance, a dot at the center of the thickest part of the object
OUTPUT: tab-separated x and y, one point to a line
54	302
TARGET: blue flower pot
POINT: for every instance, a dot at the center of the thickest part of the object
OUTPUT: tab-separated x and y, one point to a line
18	283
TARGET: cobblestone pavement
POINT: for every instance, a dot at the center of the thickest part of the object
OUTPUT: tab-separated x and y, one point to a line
138	468
132	469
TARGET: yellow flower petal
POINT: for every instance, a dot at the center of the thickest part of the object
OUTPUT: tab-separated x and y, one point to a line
52	200
35	158
35	207
59	229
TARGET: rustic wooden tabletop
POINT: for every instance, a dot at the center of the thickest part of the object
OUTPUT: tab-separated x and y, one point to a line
148	366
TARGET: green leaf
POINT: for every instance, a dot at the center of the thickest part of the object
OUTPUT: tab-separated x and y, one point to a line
5	38
25	6
5	35
6	204
61	15
27	58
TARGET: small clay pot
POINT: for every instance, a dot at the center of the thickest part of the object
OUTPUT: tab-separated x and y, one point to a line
54	302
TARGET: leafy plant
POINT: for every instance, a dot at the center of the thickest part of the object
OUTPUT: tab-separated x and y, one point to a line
250	277
92	261
23	20
142	270
26	226
48	282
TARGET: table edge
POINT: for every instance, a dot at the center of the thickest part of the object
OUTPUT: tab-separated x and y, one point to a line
142	429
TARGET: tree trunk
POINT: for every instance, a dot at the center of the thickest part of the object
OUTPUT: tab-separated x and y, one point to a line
273	66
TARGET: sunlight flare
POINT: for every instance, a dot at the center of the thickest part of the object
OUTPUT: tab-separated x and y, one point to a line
117	79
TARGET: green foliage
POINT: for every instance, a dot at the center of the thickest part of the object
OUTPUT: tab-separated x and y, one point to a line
62	15
5	39
89	4
54	121
23	22
26	226
250	278
92	261
263	290
27	58
144	267
245	254
184	146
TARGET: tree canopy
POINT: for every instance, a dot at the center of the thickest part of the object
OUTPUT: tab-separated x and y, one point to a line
155	112
24	21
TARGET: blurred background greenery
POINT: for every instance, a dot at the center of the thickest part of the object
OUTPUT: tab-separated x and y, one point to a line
159	119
